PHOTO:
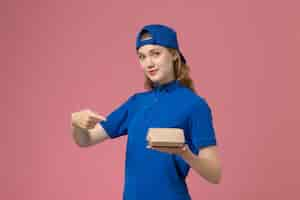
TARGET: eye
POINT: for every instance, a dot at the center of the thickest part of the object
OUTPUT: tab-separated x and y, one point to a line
141	57
156	53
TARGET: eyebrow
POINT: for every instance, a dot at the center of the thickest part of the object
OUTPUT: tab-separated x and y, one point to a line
154	49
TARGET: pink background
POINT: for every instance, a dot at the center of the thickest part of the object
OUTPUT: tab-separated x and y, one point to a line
62	56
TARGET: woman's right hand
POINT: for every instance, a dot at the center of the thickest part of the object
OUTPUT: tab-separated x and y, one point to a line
86	119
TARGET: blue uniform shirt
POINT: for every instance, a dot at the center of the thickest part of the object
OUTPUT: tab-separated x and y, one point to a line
150	174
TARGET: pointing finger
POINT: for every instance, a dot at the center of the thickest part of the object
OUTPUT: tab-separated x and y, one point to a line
96	117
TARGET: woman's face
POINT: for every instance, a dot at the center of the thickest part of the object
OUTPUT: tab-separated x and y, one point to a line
157	63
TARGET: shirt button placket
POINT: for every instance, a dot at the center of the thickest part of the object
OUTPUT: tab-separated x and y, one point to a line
156	98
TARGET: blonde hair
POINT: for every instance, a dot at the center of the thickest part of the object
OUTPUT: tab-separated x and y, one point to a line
181	70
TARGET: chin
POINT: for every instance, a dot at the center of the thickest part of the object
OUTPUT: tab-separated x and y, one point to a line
154	79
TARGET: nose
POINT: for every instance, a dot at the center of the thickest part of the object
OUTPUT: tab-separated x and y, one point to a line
149	63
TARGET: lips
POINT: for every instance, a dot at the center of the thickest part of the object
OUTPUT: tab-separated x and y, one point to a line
152	72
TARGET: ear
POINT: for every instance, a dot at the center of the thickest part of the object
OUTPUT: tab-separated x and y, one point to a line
175	55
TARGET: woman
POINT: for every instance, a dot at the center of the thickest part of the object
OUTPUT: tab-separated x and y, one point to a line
169	102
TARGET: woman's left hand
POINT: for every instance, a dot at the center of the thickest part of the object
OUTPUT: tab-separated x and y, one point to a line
171	150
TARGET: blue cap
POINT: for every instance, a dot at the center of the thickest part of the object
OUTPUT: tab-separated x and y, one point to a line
160	35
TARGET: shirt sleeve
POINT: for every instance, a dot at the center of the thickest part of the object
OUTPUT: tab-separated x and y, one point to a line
117	121
200	125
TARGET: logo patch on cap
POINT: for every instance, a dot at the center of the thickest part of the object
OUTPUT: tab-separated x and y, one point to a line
145	35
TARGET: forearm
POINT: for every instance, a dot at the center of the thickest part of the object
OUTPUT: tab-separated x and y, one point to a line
207	168
81	136
87	137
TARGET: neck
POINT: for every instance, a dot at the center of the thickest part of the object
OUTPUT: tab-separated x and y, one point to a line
159	84
165	81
